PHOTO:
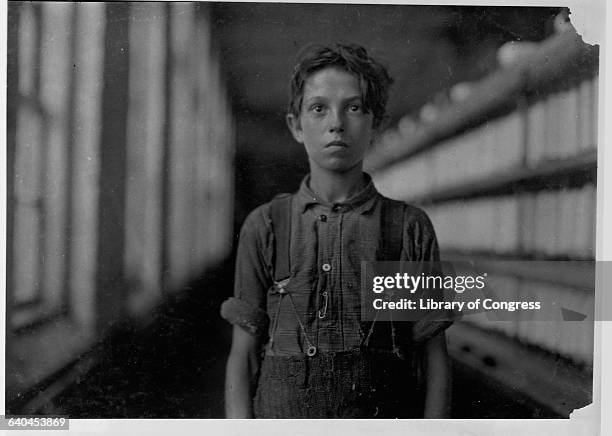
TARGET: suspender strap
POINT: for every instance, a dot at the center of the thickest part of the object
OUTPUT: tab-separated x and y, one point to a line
391	230
280	214
389	249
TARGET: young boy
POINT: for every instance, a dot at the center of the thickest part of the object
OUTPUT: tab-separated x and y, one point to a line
319	360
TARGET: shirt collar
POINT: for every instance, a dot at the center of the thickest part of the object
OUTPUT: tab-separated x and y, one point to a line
361	202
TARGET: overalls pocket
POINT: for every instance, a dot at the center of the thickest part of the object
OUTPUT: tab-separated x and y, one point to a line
281	392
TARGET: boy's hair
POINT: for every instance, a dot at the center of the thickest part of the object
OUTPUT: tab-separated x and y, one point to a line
374	80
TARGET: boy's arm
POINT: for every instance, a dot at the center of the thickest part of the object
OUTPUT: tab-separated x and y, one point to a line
242	367
246	311
437	395
430	330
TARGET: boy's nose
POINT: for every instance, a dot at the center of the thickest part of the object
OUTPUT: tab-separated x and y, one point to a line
336	122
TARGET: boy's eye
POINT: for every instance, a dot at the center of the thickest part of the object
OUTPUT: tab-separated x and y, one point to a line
317	108
354	108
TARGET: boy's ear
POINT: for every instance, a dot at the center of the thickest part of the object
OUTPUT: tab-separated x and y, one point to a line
293	123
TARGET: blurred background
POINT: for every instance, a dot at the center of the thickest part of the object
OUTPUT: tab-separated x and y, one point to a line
139	135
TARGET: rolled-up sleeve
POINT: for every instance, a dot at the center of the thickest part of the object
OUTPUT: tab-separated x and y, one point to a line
247	308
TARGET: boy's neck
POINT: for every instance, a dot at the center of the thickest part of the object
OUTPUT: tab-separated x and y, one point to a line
336	187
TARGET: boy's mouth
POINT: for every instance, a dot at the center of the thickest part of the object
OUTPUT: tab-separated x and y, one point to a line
337	144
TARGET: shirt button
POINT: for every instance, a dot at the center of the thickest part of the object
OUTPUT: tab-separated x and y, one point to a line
323	218
326	267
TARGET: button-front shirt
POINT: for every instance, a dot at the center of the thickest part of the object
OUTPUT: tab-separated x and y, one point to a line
328	243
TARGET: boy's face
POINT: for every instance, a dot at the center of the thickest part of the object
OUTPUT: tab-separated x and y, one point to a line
332	124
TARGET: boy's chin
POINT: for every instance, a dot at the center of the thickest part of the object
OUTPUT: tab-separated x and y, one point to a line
337	166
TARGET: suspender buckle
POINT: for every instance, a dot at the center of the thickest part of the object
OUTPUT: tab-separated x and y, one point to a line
280	285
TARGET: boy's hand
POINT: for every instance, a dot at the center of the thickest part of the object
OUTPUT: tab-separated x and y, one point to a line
437	395
242	367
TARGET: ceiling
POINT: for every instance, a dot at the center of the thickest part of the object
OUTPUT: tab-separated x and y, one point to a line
426	48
